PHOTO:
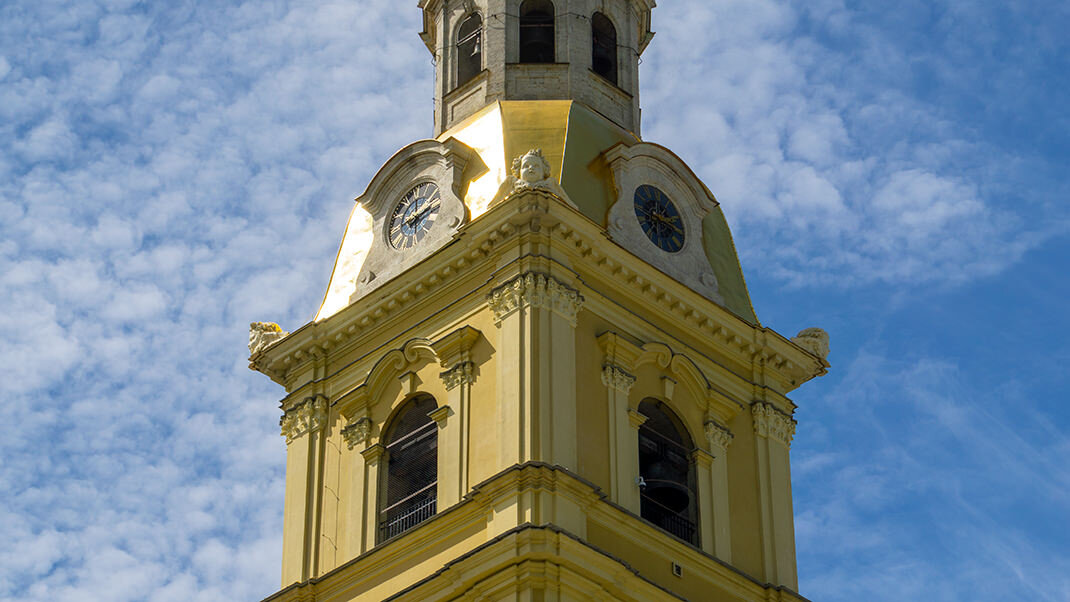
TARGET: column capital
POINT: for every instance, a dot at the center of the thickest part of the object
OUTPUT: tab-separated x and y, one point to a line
440	415
357	432
702	457
461	374
308	416
718	436
615	377
373	453
636	419
771	423
532	289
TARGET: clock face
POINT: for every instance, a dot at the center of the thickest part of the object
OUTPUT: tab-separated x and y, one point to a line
659	218
414	216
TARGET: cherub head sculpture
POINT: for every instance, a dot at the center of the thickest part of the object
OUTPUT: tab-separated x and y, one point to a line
531	169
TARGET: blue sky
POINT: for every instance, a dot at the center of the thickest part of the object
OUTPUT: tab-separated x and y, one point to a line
893	173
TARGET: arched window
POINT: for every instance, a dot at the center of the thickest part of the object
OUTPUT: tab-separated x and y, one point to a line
469	48
604	47
667	496
410	481
537	31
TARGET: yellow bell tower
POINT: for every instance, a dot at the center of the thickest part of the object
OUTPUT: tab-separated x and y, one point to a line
538	376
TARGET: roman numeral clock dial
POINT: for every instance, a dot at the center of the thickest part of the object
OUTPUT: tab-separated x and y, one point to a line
659	218
414	216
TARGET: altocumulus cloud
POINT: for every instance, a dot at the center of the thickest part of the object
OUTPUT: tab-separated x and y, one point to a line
802	123
170	172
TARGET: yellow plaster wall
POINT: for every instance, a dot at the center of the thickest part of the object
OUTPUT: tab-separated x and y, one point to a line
592	410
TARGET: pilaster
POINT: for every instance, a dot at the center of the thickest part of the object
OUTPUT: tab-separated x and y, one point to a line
536	317
719	438
449	469
373	458
355	436
302	425
773	433
618	384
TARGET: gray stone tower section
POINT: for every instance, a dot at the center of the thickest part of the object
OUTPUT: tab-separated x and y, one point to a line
503	72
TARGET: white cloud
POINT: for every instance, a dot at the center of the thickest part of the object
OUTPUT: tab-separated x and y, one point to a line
173	172
792	149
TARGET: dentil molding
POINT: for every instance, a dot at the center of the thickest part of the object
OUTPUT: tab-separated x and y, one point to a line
305	417
772	423
533	289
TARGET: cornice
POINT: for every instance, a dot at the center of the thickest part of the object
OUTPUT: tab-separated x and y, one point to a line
602	266
453	526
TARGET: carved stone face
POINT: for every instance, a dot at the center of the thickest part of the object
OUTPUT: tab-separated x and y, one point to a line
533	169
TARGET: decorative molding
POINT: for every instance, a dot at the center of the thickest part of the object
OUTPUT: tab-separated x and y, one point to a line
305	417
485	238
719	437
533	289
357	432
461	374
263	334
616	378
772	423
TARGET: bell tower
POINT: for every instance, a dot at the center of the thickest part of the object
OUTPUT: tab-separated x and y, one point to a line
537	375
492	50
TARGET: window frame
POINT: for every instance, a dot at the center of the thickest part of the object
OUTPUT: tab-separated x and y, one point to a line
462	74
394	517
683	524
612	74
534	23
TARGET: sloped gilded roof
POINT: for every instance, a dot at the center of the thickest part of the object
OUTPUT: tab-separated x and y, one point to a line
572	138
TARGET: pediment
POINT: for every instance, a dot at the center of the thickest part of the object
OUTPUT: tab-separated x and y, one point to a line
639	169
446	167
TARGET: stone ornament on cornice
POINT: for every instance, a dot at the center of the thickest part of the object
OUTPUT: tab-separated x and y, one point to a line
306	417
814	340
772	423
262	335
458	375
719	437
537	290
357	432
615	377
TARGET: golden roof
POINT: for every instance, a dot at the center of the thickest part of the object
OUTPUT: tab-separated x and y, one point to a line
573	139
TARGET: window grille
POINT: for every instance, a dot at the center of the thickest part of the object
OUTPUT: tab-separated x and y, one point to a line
667	497
537	31
411	481
604	47
469	49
